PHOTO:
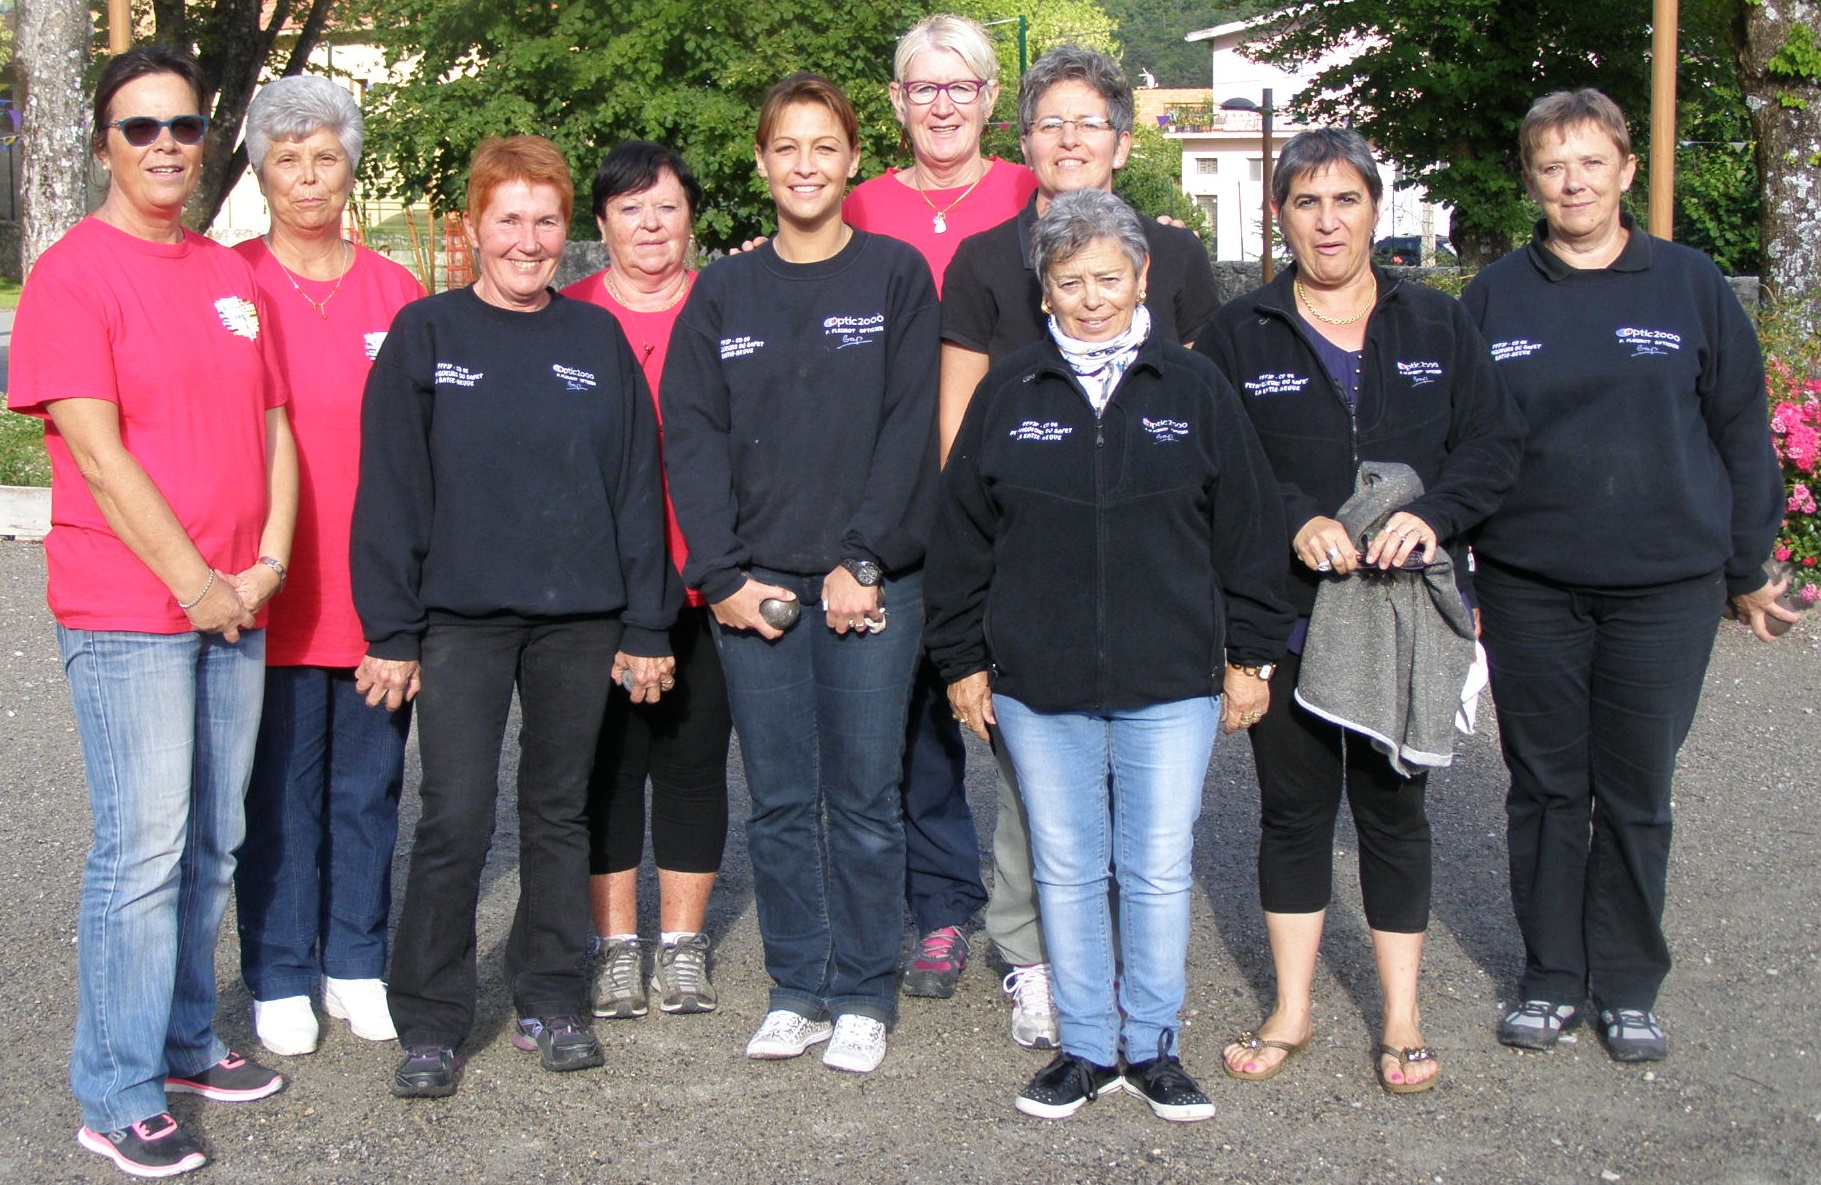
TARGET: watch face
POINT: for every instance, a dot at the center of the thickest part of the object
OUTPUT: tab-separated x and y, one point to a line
1267	670
866	572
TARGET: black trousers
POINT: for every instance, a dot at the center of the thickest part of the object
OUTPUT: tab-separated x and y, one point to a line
681	743
561	670
1595	690
1305	764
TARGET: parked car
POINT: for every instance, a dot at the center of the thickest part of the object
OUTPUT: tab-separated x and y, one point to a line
1407	250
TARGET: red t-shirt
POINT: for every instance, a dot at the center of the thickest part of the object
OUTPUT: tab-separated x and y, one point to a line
325	360
649	335
173	334
887	206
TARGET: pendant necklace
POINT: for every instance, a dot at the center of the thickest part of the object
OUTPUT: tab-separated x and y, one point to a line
321	306
613	290
942	215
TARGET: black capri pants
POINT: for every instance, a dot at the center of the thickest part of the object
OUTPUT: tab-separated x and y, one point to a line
681	743
1304	764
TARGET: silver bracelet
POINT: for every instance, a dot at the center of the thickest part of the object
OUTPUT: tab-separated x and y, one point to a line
187	606
283	572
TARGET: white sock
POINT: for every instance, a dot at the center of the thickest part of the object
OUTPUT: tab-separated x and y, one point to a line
604	940
672	937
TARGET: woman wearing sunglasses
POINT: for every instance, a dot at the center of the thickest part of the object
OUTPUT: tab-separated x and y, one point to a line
174	486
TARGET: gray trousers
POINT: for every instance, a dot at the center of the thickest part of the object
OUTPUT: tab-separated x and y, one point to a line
1011	907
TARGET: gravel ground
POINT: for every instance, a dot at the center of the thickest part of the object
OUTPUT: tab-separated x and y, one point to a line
1739	1102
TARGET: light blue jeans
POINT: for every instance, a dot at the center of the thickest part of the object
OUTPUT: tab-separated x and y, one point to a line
1113	794
167	724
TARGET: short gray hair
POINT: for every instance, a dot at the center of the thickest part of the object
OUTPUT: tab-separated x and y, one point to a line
1312	151
1072	63
298	106
1079	217
947	31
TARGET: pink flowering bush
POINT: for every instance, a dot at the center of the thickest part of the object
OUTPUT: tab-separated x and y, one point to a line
1795	424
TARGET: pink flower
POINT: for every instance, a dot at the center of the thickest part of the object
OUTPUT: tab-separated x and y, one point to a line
1782	554
1808	561
1810	593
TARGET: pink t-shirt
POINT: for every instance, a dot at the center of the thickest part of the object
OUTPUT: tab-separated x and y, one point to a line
174	335
649	335
887	206
325	361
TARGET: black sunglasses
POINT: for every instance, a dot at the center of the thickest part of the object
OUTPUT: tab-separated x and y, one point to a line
141	130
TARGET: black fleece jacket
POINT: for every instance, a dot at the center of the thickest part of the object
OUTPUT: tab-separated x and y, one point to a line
508	471
1112	563
1648	457
800	413
1429	396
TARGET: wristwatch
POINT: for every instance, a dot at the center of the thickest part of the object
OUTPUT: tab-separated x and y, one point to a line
866	573
1262	671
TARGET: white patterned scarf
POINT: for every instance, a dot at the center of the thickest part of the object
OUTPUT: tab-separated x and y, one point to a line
1099	365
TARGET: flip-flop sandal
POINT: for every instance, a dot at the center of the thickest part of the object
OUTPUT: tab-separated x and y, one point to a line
1253	1042
1405	1057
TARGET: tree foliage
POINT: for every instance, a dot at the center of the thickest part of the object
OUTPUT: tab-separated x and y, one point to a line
1151	33
688	74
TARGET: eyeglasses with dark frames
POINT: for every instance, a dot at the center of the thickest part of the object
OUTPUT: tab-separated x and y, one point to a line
960	93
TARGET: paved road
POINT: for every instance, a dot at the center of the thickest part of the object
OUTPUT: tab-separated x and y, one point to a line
1739	1103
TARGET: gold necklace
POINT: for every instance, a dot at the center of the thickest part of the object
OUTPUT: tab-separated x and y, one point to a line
942	215
321	306
646	347
1321	316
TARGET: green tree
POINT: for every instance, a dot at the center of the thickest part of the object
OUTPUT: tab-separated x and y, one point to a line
688	74
1152	32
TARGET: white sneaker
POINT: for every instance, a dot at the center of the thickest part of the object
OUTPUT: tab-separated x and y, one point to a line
1033	1009
362	1003
858	1046
786	1034
287	1027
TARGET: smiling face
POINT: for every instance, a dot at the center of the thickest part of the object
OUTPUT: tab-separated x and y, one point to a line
150	184
942	133
1072	157
518	237
1578	176
1327	220
648	231
307	182
1094	292
806	164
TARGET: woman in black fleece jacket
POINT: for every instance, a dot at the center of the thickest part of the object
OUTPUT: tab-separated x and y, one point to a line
508	532
1339	363
1648	494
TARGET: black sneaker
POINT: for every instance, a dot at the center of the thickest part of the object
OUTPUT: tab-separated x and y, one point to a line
1065	1086
1633	1035
1168	1088
428	1072
1537	1024
154	1147
233	1079
564	1043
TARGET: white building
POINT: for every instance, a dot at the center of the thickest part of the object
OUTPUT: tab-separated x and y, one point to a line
1223	159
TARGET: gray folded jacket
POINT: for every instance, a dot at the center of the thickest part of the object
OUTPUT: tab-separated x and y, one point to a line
1387	652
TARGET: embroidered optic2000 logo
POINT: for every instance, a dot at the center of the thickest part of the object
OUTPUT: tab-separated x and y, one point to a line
854	331
1645	342
1420	373
1165	431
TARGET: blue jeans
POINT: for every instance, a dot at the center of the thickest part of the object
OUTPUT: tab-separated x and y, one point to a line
821	721
313	881
1107	791
167	723
942	883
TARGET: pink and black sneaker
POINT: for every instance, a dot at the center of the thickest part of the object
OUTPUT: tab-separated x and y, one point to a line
936	968
233	1079
154	1147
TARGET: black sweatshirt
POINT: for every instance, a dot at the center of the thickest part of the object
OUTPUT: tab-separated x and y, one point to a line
508	471
800	413
1648	458
1110	563
1429	396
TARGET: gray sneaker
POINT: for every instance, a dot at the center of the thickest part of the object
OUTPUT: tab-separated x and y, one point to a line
619	981
680	978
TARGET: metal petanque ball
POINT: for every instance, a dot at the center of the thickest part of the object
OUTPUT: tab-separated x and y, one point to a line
778	613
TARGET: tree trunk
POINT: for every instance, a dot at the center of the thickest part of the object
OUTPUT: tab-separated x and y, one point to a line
53	44
1782	81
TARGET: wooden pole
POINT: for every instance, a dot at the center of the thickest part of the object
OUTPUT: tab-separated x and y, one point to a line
1663	121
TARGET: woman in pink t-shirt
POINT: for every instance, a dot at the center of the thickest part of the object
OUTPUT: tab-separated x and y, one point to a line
945	81
313	884
174	486
645	201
